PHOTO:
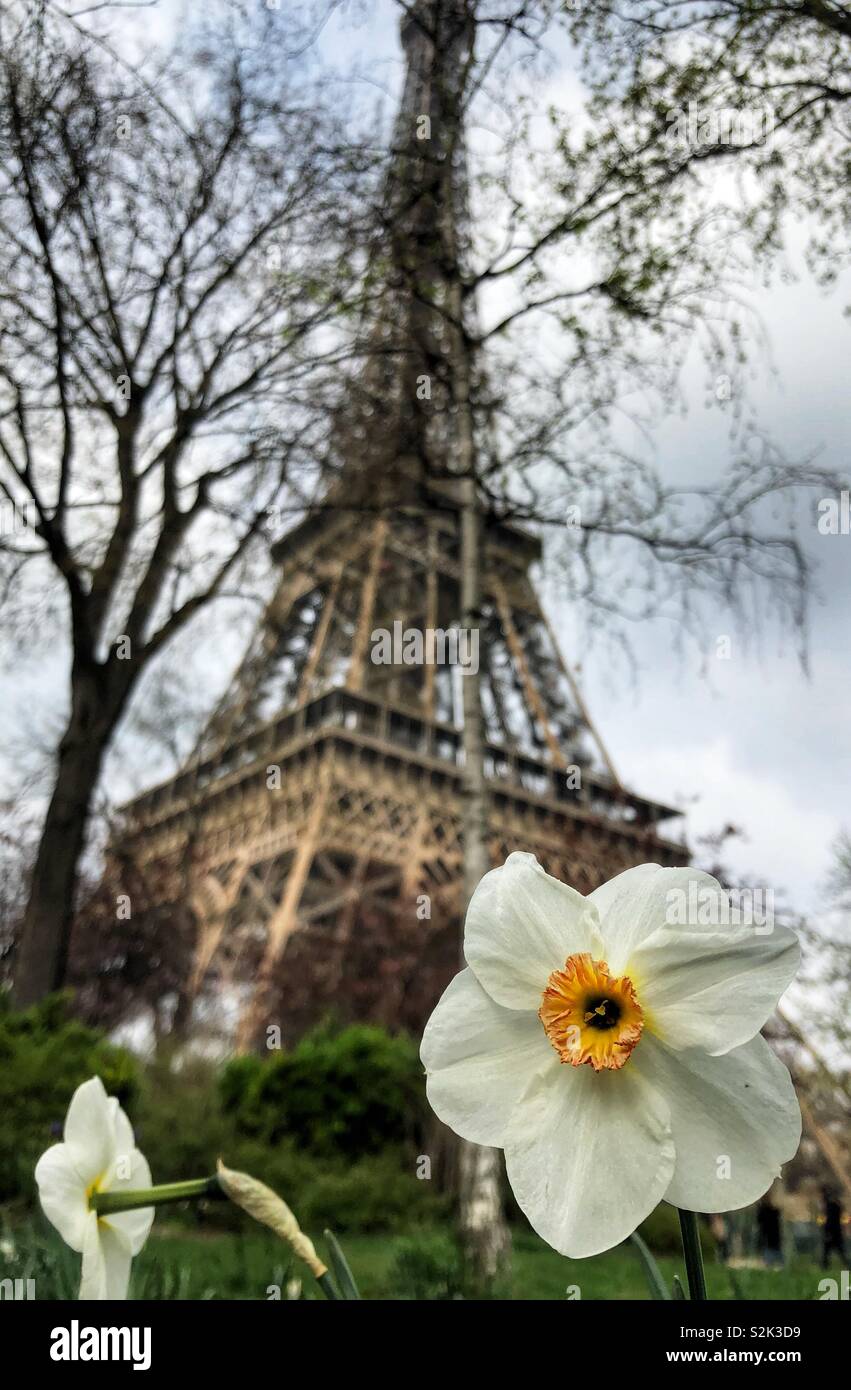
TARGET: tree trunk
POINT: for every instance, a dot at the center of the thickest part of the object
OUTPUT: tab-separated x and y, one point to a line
438	36
42	953
486	1239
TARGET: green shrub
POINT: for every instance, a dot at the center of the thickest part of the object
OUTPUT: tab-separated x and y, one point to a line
431	1266
44	1056
343	1094
661	1231
180	1126
428	1267
187	1118
331	1126
378	1192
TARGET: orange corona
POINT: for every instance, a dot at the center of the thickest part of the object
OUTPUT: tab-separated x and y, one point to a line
590	1017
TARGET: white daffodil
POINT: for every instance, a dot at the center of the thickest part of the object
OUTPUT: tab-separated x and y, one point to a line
615	1058
99	1154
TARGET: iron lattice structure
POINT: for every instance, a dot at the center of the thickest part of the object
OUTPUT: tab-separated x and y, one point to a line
317	836
316	833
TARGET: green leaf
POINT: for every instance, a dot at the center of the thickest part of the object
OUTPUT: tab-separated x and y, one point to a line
340	1266
679	1291
738	1292
657	1285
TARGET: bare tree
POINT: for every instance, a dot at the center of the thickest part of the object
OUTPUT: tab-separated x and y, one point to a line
574	277
761	86
592	263
170	253
826	970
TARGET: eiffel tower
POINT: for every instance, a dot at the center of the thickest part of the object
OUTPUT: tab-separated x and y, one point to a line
316	831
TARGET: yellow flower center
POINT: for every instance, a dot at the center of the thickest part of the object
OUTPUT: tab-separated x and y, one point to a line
590	1017
92	1188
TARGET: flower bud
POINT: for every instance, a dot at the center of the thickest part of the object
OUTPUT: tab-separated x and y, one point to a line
268	1208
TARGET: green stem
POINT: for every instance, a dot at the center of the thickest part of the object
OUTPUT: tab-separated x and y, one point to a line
326	1284
106	1203
127	1200
693	1256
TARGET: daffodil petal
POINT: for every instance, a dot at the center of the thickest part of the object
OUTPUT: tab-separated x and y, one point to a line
639	901
480	1057
106	1262
125	1140
117	1258
89	1129
130	1172
93	1275
521	925
735	1119
712	989
589	1155
62	1194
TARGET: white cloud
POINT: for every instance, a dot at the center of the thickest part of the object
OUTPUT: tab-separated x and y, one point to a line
784	850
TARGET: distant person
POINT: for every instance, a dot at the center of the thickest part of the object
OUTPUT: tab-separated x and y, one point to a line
721	1231
832	1233
769	1226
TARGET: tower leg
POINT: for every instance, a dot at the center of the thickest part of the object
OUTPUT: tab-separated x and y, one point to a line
211	901
282	923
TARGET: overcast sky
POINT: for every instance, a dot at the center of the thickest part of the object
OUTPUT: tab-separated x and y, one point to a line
750	739
753	739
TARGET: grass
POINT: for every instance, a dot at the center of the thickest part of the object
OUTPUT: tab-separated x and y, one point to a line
540	1273
176	1264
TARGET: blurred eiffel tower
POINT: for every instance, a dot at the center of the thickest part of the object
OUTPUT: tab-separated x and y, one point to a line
315	832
